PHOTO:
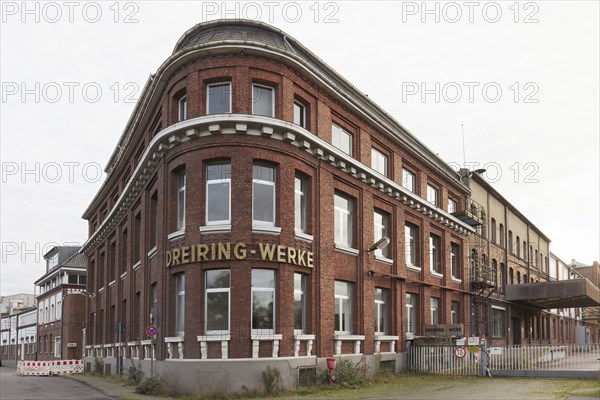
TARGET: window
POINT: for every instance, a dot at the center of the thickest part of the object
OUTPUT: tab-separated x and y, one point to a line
411	313
153	303
381	230
434	309
498	320
181	200
263	299
411	234
263	101
493	231
452	206
218	98
124	245
153	234
379	162
217	300
341	139
510	242
300	192
57	346
263	195
53	261
182	111
501	228
455	260
435	251
501	280
299	114
218	193
343	307
511	276
137	244
408	180
518	246
432	195
179	304
454	307
343	209
495	272
380	311
300	303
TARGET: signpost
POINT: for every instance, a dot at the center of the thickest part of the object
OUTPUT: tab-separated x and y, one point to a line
152	331
460	352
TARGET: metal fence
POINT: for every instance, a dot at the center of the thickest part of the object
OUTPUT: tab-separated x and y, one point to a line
446	360
571	357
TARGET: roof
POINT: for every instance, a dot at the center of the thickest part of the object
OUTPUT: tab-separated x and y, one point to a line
77	260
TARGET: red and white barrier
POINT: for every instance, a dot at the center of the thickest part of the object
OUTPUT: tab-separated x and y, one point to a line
45	368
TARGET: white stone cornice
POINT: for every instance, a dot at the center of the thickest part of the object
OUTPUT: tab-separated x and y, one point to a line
276	129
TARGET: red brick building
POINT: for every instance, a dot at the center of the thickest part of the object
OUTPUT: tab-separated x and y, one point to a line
259	209
61	299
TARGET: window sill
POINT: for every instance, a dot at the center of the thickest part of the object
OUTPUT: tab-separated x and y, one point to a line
413	268
303	336
215	228
456	280
112	283
270	230
214	338
124	275
174	339
266	336
436	274
152	252
348	336
345	249
384	260
385	338
101	290
176	235
136	266
304	236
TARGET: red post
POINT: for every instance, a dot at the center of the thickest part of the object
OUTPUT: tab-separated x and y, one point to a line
331	362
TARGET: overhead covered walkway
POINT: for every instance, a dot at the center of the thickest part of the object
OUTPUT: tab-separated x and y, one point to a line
559	294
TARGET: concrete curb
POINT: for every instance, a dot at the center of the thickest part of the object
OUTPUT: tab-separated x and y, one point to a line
88	384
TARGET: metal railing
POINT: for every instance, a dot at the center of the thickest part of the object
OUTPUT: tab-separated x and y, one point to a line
443	360
568	357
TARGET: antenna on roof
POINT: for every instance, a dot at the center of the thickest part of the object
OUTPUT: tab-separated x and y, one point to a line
462	128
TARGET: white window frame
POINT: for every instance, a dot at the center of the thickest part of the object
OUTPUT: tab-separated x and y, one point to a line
264	331
337	135
454	311
435	254
179	305
181	185
273	185
381	311
217	290
300	203
300	291
411	313
57	346
454	260
452	206
411	239
300	106
208	97
381	224
217	181
409	184
182	108
379	161
53	261
433	195
344	220
272	89
498	329
434	310
344	299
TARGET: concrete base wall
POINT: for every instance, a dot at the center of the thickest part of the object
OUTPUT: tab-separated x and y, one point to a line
547	374
234	375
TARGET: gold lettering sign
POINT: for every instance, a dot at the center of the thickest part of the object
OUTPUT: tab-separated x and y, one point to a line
238	251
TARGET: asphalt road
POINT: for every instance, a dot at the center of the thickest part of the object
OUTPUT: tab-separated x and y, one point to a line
13	387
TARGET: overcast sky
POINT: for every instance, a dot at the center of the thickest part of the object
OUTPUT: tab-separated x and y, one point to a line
522	78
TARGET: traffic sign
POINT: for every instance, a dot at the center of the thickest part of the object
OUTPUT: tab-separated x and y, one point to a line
460	352
151	331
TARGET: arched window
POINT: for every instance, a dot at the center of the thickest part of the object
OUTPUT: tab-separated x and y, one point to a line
502	279
525	279
518	277
493	231
495	272
511	276
518	246
510	242
473	264
502	244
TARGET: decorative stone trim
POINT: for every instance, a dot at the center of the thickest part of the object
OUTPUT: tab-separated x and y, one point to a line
134	349
386	338
304	236
384	260
149	350
176	234
345	249
309	343
269	230
171	343
206	229
257	338
152	252
137	265
254	125
339	338
224	339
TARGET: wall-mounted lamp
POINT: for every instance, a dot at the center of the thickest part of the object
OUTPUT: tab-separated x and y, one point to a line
379	245
371	272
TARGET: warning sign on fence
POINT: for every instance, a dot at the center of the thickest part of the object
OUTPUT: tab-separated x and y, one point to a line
45	368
